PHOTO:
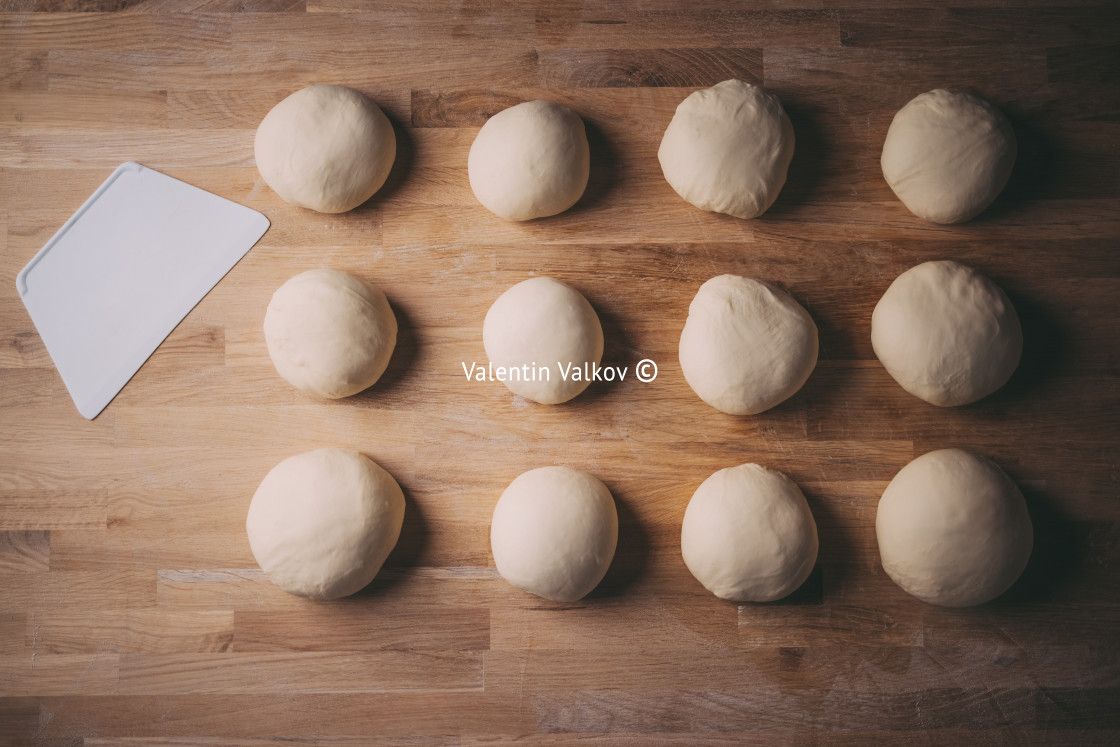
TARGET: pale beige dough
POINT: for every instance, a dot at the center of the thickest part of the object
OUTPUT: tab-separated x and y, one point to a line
541	322
946	333
329	334
554	533
727	149
953	529
948	155
322	523
746	346
325	147
530	161
748	535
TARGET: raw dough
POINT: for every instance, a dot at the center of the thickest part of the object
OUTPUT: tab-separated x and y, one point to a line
541	322
327	148
746	345
321	523
953	529
748	535
554	533
948	155
727	149
530	161
329	334
946	333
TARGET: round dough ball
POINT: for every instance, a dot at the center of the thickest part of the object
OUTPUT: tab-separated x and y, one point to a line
953	530
329	334
541	323
530	161
327	148
554	533
321	524
746	345
946	333
948	155
727	149
748	535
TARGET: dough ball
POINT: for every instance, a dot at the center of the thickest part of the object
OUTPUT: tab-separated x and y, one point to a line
530	161
748	535
554	532
953	529
327	148
948	155
746	345
321	524
329	334
946	333
541	323
727	149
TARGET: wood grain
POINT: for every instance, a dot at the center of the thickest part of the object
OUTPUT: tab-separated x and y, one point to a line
131	610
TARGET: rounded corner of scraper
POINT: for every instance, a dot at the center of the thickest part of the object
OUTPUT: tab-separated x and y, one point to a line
88	412
21	282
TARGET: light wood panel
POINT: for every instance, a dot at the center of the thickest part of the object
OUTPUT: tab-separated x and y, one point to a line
131	611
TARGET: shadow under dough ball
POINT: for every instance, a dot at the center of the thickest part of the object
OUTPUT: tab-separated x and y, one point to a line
953	529
530	161
748	535
948	155
322	523
728	148
325	147
946	333
554	533
329	334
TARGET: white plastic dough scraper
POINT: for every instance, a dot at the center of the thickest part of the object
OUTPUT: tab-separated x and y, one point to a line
124	271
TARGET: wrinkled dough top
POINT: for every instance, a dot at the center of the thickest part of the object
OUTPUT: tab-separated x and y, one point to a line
946	333
948	155
746	346
728	148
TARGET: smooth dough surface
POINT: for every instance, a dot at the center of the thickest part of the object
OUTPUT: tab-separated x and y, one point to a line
541	322
948	155
325	147
746	346
953	529
727	149
946	333
554	533
329	334
530	161
321	523
748	535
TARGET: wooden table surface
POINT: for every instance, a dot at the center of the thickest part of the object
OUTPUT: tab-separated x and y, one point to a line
131	610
